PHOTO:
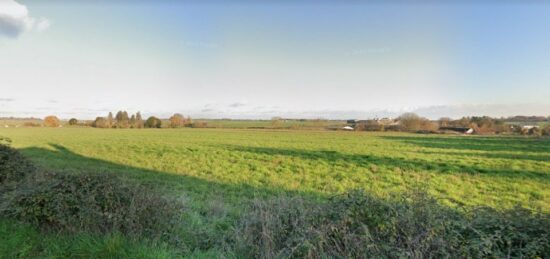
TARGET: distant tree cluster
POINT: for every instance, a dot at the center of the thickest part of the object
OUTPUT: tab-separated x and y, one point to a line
153	122
411	122
122	120
178	121
414	123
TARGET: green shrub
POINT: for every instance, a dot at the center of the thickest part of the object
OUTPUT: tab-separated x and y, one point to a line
13	166
280	227
85	202
358	225
153	122
94	203
516	233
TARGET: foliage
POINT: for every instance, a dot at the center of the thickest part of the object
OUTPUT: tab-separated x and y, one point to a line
51	121
177	121
139	121
94	203
133	121
110	120
414	123
122	120
358	225
369	125
73	121
13	166
83	202
100	122
153	122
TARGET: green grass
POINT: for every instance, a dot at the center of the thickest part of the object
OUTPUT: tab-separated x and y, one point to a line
218	170
22	241
269	124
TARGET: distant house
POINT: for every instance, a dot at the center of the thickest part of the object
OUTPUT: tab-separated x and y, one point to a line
347	128
529	127
463	130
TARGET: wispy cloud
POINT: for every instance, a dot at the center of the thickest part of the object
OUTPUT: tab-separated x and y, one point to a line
15	19
7	99
237	105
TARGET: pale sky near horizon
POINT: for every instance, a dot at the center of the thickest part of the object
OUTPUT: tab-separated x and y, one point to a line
258	59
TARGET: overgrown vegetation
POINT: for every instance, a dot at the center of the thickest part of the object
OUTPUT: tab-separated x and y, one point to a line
13	166
92	203
83	202
359	225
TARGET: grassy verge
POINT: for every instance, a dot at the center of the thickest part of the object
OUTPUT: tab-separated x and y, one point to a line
19	240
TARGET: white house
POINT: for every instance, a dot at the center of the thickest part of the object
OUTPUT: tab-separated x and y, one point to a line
529	127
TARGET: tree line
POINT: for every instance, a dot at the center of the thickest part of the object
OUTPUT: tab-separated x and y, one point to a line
123	121
407	122
411	122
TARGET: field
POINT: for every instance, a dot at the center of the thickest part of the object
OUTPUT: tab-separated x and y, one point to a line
217	171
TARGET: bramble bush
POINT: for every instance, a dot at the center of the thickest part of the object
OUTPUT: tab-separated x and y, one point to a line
13	166
94	203
359	225
83	202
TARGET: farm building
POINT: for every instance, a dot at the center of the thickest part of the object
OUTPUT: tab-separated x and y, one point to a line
529	127
463	130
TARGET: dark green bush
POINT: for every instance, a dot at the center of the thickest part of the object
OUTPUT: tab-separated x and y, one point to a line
358	225
84	202
13	166
94	203
516	233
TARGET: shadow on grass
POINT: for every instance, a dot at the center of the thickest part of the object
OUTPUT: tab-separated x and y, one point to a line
477	143
167	182
538	158
395	162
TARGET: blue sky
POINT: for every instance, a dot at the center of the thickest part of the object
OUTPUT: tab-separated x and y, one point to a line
257	59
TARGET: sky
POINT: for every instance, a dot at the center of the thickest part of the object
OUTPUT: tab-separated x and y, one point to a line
258	59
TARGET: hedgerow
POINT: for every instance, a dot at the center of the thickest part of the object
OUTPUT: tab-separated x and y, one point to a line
13	166
83	202
359	225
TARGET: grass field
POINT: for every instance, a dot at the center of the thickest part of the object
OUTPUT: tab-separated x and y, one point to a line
218	170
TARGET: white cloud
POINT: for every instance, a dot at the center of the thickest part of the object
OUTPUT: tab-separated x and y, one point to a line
15	19
43	24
